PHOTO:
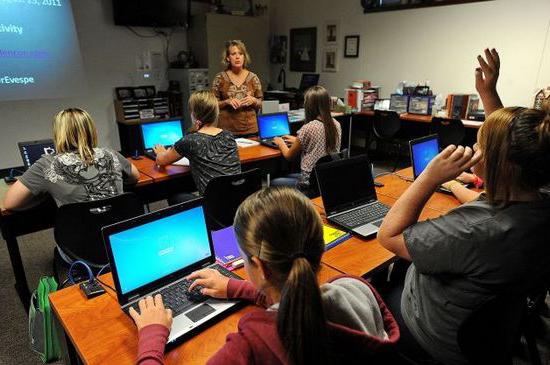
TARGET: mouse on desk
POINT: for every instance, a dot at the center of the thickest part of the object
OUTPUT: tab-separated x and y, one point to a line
10	179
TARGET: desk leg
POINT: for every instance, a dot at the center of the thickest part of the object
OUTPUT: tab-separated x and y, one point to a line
349	133
21	285
68	352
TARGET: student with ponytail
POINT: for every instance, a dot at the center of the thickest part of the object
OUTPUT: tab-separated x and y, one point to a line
280	236
496	245
321	135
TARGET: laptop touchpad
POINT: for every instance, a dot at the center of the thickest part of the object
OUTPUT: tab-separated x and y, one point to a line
199	313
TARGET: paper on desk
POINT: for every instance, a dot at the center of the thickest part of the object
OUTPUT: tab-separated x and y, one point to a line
244	142
182	162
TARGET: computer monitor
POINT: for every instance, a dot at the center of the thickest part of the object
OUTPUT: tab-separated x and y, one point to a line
165	133
423	150
273	125
31	151
308	80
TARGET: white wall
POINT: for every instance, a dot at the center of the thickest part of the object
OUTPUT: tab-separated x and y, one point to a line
438	44
109	55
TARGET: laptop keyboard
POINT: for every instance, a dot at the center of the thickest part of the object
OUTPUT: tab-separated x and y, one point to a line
363	215
178	298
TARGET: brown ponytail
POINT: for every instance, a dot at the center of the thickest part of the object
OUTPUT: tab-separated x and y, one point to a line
281	228
317	106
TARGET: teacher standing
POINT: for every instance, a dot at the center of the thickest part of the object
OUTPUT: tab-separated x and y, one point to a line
238	90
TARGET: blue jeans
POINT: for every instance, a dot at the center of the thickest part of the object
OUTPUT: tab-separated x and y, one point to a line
289	180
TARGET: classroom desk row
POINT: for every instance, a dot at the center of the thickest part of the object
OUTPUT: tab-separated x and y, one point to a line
425	119
101	333
154	183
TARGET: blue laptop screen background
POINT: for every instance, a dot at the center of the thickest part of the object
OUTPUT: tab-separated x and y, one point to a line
423	153
273	125
32	152
151	251
164	133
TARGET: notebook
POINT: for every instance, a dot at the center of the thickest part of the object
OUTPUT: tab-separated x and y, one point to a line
226	247
271	126
153	253
165	133
349	197
31	151
333	236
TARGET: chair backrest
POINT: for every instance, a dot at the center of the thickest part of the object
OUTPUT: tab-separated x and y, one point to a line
78	226
313	190
488	335
386	124
224	194
449	131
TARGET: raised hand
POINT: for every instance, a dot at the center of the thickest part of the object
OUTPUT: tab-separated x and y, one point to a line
486	80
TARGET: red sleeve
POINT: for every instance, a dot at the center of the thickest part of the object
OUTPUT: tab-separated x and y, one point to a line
243	289
236	348
151	343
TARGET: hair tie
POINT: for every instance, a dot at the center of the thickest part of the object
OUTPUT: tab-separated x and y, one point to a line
297	256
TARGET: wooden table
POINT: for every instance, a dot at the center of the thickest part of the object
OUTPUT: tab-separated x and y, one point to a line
360	257
103	334
425	119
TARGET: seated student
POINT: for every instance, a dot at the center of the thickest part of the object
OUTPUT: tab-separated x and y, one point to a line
211	151
320	136
497	244
280	236
462	193
79	170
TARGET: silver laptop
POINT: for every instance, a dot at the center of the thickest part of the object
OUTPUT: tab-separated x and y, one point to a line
349	197
153	253
165	133
271	126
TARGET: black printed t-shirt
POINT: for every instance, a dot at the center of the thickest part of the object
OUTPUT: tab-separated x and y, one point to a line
209	156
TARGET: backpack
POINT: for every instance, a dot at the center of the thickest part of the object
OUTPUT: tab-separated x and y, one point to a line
42	328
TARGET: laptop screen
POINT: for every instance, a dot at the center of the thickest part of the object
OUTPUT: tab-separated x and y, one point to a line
345	184
151	251
32	151
423	150
273	125
164	133
308	80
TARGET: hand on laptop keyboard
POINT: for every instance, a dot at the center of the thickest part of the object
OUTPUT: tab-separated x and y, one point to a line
152	311
212	281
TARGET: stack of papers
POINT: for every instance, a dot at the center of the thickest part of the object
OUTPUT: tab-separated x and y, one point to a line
182	162
243	142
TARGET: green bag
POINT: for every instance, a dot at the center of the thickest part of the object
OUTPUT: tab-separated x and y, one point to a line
42	328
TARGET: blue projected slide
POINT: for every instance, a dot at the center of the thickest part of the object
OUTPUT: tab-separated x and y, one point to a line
149	252
39	50
423	153
273	125
163	133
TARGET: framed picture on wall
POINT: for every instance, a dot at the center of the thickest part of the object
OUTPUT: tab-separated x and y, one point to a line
351	46
331	32
303	49
278	48
330	59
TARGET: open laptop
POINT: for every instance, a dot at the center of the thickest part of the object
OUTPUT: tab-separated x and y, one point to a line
349	197
271	126
422	151
31	151
165	133
153	253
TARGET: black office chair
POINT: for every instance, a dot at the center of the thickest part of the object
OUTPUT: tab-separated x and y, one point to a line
313	190
489	334
78	226
385	126
224	194
449	131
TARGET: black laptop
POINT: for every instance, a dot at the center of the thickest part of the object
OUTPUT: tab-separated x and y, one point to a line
271	126
164	133
349	197
153	253
31	151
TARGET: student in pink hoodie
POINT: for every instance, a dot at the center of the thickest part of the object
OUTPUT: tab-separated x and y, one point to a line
280	236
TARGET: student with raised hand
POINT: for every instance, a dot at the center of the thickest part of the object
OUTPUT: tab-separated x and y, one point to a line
78	171
497	244
211	151
321	135
280	236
